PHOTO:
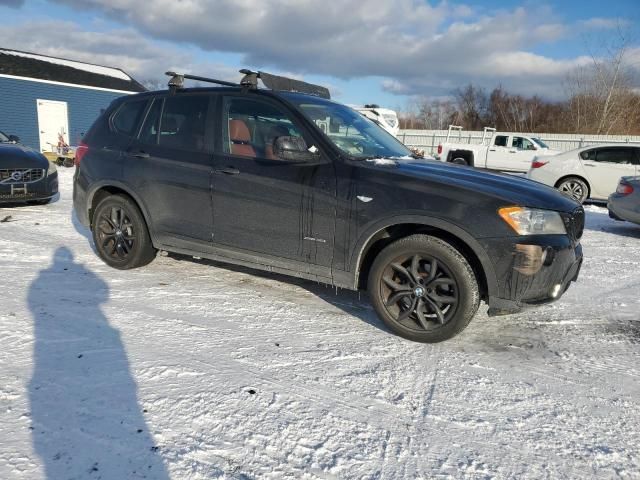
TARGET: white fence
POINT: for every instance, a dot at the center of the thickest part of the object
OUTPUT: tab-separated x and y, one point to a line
428	140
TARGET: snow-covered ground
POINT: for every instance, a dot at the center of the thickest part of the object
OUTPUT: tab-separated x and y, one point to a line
188	370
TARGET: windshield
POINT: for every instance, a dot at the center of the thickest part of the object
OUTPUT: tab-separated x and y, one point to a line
3	138
348	130
540	142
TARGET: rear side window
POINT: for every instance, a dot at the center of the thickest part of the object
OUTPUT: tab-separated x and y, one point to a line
621	155
151	126
501	141
128	116
588	155
183	122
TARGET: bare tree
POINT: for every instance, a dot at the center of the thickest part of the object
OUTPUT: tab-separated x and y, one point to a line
601	94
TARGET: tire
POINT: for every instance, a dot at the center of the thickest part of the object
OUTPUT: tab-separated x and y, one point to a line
574	187
409	308
460	161
120	233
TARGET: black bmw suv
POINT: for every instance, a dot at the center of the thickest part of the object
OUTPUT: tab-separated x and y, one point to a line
295	183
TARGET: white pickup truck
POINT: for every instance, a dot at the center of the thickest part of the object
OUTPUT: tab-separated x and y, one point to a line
507	152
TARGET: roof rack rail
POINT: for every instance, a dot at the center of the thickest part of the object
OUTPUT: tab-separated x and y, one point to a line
250	81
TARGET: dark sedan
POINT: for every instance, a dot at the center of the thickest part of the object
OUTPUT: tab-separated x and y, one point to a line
624	204
26	176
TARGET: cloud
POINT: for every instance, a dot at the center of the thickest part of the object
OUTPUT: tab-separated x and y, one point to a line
600	23
11	3
414	46
123	48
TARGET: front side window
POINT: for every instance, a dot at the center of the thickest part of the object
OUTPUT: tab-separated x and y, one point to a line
348	130
522	143
540	143
620	155
128	116
251	127
3	138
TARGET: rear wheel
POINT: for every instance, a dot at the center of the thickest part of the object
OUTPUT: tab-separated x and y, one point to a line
120	233
460	161
423	289
575	188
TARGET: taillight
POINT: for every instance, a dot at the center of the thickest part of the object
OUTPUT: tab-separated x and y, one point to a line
624	189
538	164
440	149
81	151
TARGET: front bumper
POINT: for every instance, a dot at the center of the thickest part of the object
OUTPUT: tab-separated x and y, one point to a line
533	270
28	192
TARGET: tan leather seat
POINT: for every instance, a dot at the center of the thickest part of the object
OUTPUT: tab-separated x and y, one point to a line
240	139
274	132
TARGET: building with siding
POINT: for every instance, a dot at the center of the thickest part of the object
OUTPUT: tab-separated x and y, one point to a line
43	98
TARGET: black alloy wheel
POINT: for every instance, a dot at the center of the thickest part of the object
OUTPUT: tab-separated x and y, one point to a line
419	291
423	288
116	235
120	233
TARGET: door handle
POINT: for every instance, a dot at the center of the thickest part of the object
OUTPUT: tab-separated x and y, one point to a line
139	155
513	151
589	165
228	171
492	149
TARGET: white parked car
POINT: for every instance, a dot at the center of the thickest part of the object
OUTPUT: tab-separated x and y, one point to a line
506	152
587	172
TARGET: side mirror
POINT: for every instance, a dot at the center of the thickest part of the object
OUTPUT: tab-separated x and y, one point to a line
294	150
14	138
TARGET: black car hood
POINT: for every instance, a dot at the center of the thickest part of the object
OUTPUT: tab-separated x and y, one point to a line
18	156
509	189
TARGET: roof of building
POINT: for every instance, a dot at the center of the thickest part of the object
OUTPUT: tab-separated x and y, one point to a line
42	67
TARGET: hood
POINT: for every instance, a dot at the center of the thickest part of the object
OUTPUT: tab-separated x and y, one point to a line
506	189
18	156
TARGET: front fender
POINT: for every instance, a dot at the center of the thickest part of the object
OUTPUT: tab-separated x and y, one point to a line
364	241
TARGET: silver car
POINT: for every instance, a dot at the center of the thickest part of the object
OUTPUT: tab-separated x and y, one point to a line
624	204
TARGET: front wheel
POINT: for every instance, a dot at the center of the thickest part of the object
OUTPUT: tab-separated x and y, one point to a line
575	188
120	234
423	289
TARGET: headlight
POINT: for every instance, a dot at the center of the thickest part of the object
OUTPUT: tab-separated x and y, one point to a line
52	168
531	221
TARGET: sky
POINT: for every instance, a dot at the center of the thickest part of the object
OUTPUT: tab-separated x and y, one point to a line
365	51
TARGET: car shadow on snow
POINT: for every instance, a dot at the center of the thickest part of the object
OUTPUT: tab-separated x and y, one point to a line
86	421
353	303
